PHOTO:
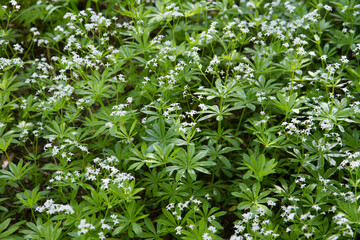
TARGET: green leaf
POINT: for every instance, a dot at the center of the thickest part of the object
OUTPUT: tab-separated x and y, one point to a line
136	228
244	205
118	230
5	144
4	224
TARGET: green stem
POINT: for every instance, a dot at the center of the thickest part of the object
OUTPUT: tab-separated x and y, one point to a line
240	120
204	75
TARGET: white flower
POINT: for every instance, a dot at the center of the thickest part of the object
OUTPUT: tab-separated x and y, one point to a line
129	99
170	206
203	106
84	227
178	230
206	236
109	124
301	51
102	236
289	7
308	235
271	203
51	208
17	47
344	59
328	8
212	229
191	113
316	207
182	129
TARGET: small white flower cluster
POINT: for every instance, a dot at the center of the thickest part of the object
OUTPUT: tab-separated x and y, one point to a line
227	32
91	173
84	227
244	69
326	182
118	110
157	39
51	208
181	206
344	60
252	223
178	210
213	63
152	63
61	92
36	78
347	196
277	29
165	52
110	161
168	80
331	68
60	151
340	220
261	96
289	212
356	107
4	63
184	127
300	180
207	37
193	54
326	7
171	111
178	230
312	16
244	26
96	20
115	177
203	107
73	33
295	219
45	68
18	48
83	148
289	7
293	86
271	6
104	225
69	178
352	161
82	103
24	129
191	113
172	12
15	5
356	50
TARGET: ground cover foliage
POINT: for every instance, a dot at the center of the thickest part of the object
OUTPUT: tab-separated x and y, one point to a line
179	119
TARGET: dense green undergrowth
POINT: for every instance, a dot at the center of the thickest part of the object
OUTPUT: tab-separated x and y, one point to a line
179	119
